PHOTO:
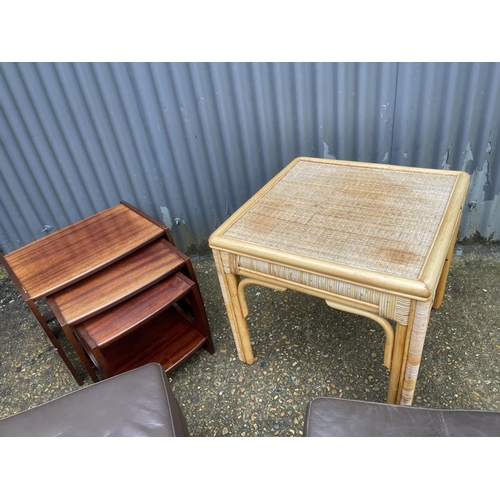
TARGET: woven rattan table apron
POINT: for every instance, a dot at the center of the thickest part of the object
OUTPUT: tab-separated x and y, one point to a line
370	239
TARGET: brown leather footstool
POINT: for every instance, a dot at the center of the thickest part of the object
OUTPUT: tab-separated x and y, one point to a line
332	417
139	402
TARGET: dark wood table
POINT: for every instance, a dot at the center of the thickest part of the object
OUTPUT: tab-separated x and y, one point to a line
91	267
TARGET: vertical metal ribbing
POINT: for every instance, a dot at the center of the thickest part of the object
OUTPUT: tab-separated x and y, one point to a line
199	139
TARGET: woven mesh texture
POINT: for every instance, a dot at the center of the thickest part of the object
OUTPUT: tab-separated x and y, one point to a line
373	218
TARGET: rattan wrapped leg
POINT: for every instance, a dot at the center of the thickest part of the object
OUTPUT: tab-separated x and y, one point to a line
229	287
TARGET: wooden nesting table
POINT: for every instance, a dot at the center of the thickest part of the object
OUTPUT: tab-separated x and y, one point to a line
122	292
370	239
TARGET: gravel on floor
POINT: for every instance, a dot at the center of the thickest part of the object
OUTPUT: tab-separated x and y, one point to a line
303	349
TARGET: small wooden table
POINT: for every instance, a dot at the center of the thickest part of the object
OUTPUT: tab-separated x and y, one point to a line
117	267
370	239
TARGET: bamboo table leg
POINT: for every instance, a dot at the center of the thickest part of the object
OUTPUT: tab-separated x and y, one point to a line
407	356
229	288
438	300
416	345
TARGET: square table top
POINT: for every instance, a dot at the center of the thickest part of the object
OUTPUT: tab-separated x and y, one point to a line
385	226
73	252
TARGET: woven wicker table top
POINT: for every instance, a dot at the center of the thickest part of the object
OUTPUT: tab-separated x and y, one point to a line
378	218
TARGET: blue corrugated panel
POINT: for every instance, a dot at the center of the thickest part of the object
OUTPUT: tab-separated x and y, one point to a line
449	117
190	142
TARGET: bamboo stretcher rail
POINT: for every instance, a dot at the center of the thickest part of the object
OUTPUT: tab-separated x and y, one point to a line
334	301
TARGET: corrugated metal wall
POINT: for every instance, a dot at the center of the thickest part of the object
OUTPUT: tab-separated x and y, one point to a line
191	142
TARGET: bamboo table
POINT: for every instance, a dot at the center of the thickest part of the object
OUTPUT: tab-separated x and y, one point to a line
374	240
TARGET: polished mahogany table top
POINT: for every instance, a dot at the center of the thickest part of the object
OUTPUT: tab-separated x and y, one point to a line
76	251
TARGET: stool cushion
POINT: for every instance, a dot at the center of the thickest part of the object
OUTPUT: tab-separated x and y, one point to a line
332	417
139	402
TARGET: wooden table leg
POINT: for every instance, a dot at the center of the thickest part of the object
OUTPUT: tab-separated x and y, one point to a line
397	362
81	354
55	342
229	288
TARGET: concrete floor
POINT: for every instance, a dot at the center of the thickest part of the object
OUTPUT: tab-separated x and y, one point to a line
303	350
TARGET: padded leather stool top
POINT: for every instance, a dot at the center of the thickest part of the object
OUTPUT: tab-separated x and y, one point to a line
139	402
331	417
